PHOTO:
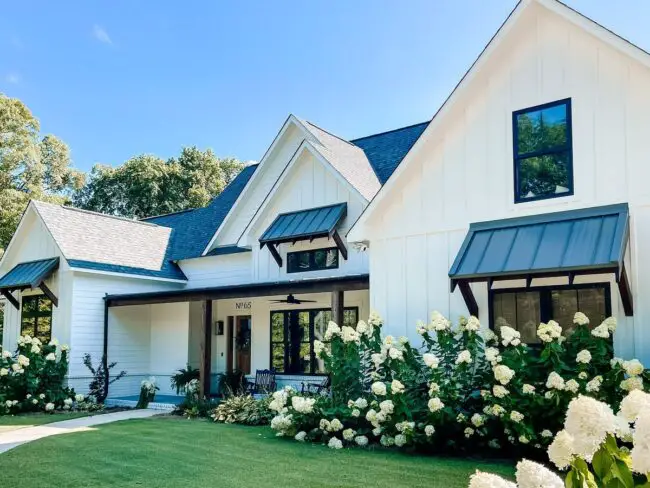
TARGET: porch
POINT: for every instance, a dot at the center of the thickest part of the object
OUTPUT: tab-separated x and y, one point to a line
217	330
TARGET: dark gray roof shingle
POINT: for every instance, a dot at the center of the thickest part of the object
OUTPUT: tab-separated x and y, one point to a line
385	151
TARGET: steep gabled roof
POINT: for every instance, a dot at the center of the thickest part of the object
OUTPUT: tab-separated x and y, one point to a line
386	150
349	160
573	16
106	243
193	229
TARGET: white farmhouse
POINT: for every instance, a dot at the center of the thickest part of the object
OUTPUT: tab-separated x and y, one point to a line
527	196
523	199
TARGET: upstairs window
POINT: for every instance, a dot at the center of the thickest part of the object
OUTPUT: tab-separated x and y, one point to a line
36	318
543	151
313	260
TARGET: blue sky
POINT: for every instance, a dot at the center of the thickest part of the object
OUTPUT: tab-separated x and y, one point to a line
115	79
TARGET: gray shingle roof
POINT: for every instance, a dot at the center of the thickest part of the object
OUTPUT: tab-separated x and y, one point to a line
385	151
193	229
349	160
109	241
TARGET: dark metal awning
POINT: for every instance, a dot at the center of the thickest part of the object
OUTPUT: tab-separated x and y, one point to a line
304	225
26	275
575	242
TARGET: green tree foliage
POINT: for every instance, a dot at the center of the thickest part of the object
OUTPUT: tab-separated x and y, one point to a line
31	166
147	185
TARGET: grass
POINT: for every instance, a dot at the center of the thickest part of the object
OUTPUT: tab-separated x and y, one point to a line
13	422
171	452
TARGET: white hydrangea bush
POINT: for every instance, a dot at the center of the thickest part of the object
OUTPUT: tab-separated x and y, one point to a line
597	448
32	378
463	389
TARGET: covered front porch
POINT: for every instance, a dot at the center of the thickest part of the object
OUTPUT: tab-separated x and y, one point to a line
217	330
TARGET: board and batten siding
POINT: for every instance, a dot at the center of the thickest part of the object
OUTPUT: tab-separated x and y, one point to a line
262	181
309	185
33	242
462	170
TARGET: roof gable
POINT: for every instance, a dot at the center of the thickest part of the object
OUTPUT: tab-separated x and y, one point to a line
193	229
445	111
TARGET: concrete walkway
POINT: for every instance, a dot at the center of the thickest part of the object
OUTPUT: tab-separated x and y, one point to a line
14	438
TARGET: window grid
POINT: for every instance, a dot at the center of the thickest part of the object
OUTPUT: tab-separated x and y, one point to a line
36	309
294	260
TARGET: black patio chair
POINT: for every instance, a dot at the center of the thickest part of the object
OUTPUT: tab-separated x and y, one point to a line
318	388
264	382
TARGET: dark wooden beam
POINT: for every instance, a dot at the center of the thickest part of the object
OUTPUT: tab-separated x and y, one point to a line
107	372
205	365
49	294
340	244
274	252
338	307
468	296
230	343
10	298
323	285
626	293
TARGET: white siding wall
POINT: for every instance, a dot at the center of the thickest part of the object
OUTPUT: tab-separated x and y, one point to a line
309	185
463	172
223	270
33	242
129	328
169	343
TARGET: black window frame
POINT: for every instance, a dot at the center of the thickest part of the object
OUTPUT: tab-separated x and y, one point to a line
286	342
545	301
311	253
568	148
36	314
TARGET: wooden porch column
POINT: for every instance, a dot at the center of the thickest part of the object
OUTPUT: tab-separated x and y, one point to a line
205	365
337	307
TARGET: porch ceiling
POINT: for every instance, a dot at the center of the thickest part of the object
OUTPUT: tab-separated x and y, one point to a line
268	289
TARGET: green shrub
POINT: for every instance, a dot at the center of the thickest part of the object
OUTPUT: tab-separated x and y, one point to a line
463	390
33	378
244	409
182	378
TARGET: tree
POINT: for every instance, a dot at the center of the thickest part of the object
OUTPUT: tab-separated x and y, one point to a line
31	166
146	185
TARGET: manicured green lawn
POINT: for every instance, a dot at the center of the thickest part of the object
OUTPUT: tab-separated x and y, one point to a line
174	452
13	422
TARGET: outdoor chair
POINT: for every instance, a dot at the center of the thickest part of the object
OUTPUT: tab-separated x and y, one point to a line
320	388
264	382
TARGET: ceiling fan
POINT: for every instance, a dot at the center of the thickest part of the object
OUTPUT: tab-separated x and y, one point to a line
293	300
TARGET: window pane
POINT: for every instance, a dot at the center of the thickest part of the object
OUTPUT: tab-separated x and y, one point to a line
519	310
44	329
321	319
277	327
350	318
541	130
292	262
565	305
44	306
528	316
303	327
544	175
591	302
332	260
28	327
277	359
29	305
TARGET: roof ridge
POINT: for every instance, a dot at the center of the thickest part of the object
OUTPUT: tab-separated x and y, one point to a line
99	214
330	133
389	131
169	213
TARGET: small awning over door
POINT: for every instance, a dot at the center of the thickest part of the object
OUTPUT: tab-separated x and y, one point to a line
304	225
31	274
586	241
